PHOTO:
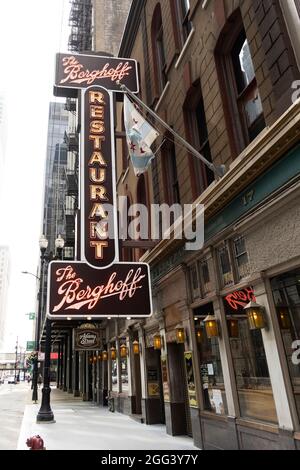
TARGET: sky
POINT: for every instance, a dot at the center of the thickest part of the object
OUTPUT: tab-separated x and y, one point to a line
31	32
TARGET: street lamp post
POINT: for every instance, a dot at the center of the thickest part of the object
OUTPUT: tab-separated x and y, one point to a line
45	413
43	242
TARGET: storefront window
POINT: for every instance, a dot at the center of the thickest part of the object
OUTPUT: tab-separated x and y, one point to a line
114	368
286	294
249	361
210	365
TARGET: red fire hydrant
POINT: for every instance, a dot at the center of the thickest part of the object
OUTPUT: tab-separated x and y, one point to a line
35	443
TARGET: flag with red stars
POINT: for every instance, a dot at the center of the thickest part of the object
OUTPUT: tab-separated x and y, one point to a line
139	135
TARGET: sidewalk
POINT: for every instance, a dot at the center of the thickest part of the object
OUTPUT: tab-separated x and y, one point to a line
85	426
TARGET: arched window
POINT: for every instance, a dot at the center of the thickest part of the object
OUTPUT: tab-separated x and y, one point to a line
170	176
197	134
241	98
182	25
158	48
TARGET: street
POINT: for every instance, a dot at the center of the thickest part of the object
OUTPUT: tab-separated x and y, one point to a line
12	405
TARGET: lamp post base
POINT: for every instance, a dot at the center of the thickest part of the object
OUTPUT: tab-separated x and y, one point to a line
45	414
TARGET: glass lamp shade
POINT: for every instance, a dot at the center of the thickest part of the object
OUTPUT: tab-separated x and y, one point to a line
43	242
100	357
157	342
113	353
284	318
136	347
104	355
211	326
95	359
255	314
91	360
233	327
180	335
123	350
59	242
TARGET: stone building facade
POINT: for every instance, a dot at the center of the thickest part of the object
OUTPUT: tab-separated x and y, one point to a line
108	33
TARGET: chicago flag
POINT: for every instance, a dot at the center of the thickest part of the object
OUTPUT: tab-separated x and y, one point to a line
139	135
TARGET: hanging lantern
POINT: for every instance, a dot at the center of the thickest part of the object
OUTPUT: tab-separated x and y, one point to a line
113	353
255	314
100	356
233	327
136	347
95	359
284	318
211	326
104	355
90	360
180	335
199	335
123	350
157	341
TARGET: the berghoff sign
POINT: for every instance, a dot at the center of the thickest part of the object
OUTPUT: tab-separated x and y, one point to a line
99	285
78	290
82	71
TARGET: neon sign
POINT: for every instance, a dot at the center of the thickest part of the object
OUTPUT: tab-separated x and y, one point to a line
236	301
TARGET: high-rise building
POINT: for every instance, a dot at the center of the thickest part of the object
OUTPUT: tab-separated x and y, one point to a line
107	34
55	175
4	282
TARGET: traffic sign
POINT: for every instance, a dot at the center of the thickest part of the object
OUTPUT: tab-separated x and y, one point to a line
30	346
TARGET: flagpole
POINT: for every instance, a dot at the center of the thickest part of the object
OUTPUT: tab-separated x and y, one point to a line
218	171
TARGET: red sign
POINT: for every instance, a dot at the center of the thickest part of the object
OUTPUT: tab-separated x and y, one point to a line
99	237
79	290
54	355
236	301
83	71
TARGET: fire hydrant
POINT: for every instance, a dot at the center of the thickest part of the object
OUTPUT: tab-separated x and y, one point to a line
35	443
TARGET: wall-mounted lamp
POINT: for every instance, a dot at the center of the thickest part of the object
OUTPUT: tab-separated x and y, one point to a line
233	327
283	315
157	341
211	326
255	314
100	356
199	335
136	347
180	335
94	359
123	350
90	360
113	353
104	355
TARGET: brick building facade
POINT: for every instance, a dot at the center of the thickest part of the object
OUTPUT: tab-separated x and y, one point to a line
222	74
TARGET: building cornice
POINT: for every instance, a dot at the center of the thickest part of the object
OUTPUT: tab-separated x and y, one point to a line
131	28
273	143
